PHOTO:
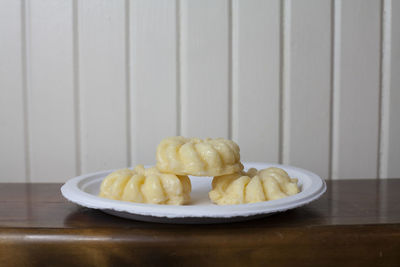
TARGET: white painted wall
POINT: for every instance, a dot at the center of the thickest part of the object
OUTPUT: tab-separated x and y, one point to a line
92	85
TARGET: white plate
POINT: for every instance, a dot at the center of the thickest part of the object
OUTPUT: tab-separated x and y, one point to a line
83	190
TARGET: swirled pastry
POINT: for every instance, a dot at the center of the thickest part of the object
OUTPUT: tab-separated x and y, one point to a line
252	186
193	156
146	186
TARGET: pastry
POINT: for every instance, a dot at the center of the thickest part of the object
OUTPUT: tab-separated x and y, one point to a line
146	186
252	186
198	157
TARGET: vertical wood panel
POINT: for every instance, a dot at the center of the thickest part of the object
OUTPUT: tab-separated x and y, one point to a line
102	84
256	55
205	68
356	89
12	163
390	167
179	83
307	83
153	76
50	89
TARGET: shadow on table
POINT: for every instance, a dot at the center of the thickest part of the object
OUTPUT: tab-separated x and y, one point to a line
85	217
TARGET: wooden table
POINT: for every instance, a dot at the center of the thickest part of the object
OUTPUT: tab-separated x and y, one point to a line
356	223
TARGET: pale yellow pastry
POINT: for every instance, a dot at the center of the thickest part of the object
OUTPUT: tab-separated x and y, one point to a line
146	186
194	156
252	186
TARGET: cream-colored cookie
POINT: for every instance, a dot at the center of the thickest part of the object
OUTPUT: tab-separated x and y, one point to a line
194	156
146	186
252	186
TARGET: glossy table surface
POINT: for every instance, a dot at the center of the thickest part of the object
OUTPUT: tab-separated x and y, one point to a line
355	222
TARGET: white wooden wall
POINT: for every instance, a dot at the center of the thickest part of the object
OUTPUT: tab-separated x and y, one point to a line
95	84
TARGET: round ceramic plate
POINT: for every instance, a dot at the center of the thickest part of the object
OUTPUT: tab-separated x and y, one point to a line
83	190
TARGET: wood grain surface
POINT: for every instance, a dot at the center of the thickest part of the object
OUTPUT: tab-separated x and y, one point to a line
356	222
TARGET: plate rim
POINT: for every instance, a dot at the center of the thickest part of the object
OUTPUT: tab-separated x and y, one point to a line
71	191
